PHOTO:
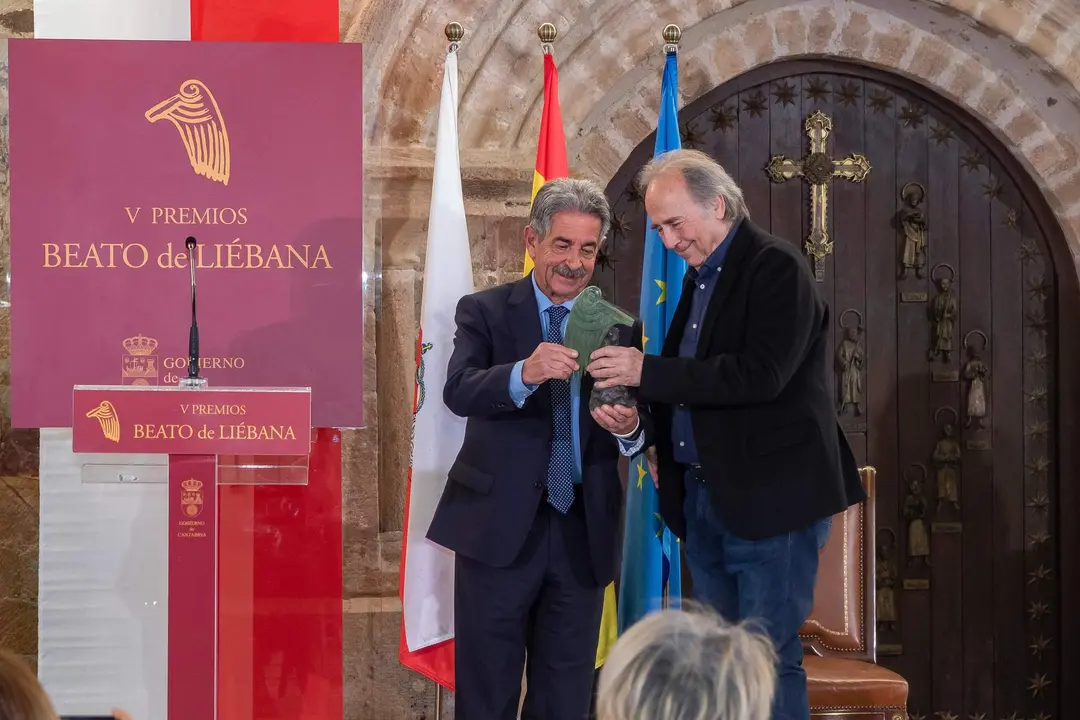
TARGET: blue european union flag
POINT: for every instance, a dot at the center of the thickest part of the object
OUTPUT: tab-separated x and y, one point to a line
651	570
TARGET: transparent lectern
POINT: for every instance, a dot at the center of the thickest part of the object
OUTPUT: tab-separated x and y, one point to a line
248	634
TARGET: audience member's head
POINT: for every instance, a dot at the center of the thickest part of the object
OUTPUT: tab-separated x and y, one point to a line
21	695
688	665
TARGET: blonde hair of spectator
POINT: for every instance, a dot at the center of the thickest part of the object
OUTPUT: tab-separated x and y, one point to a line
688	665
21	695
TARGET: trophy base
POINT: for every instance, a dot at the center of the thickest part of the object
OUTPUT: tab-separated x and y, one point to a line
197	383
616	395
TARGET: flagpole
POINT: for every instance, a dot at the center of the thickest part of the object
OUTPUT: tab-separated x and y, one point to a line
454	33
672	36
547	33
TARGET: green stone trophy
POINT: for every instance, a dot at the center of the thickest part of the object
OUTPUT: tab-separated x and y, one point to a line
595	323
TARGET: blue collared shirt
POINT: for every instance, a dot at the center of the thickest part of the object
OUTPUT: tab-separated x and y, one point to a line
520	392
704	282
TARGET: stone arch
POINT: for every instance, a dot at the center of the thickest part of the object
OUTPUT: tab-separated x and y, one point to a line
1015	66
406	47
1024	112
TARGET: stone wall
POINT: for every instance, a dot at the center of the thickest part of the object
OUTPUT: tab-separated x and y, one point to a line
18	449
1015	65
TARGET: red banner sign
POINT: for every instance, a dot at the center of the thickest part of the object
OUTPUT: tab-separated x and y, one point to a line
119	152
191	422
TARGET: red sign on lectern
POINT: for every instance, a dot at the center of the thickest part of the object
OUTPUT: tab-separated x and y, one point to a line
170	420
192	426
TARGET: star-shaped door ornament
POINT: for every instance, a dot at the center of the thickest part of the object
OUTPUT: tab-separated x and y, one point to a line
724	118
784	93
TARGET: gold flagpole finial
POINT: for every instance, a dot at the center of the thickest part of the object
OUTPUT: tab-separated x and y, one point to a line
547	34
672	36
454	33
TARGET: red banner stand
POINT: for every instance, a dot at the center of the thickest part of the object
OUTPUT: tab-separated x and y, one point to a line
194	427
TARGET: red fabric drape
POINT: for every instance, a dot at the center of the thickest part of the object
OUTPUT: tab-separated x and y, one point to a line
265	20
279	548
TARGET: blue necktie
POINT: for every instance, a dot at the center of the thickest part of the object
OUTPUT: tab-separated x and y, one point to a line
561	467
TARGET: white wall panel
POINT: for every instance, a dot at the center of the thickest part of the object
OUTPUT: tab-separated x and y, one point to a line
103	581
113	19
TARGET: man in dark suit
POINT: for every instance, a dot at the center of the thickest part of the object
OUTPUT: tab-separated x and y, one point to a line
751	461
532	503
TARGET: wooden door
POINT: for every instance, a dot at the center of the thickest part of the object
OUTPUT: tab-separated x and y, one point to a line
968	480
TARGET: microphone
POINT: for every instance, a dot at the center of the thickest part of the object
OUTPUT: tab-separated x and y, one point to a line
193	335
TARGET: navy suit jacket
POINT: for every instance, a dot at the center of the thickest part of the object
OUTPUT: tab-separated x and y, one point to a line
496	485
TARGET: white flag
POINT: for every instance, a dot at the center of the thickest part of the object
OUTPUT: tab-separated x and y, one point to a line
428	573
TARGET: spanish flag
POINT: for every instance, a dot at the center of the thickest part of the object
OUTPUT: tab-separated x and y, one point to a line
551	162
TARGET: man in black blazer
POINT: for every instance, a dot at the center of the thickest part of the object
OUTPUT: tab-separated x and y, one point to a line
750	458
532	503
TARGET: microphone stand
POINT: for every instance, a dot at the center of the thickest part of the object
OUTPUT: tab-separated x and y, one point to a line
193	380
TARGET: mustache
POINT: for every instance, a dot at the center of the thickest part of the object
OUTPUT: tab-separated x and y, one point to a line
567	272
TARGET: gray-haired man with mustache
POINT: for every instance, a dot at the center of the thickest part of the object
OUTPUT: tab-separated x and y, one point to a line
532	504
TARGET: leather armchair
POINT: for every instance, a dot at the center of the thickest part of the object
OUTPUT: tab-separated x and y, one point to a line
840	636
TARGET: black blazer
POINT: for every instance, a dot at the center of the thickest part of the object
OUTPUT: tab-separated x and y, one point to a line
497	482
771	451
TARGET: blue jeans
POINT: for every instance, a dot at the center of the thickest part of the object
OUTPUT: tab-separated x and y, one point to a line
770	581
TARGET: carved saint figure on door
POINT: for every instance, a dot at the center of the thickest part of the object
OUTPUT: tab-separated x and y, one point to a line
947	463
886	579
976	373
913	222
918	539
943	311
850	359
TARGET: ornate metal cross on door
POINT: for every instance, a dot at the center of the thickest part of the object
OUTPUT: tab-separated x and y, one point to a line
816	168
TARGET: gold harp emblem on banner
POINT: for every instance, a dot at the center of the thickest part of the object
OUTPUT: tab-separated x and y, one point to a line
108	419
196	116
